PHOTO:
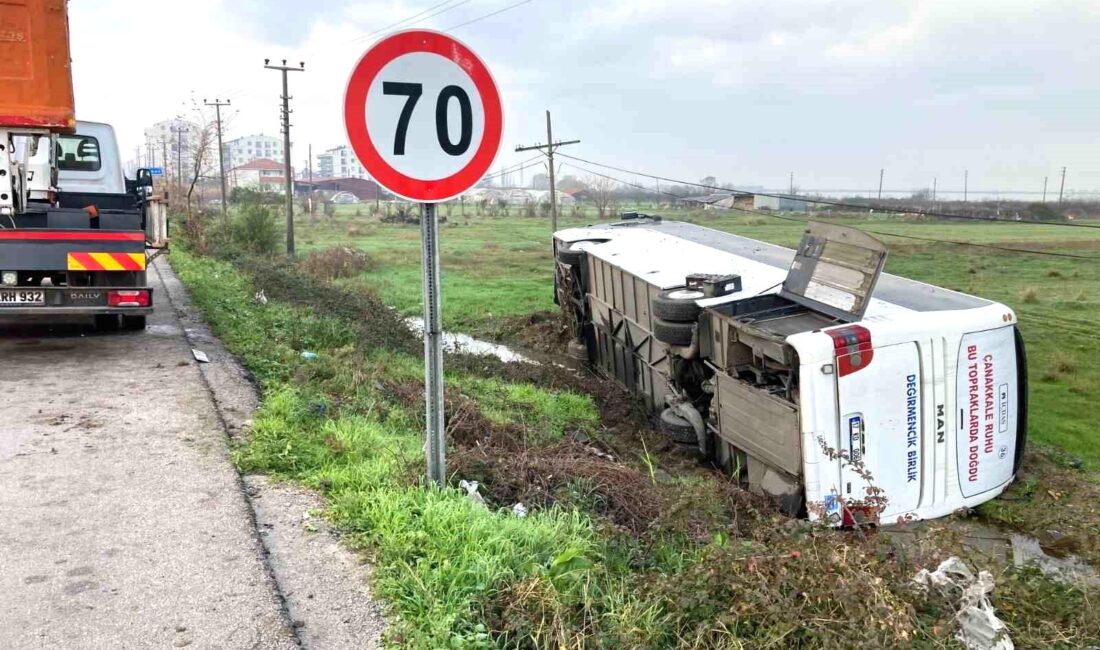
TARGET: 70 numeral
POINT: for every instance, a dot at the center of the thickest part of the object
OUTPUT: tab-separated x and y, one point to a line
413	92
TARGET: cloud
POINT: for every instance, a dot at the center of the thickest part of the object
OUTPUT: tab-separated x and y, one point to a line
746	90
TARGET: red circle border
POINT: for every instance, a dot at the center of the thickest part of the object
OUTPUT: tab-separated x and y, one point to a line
355	118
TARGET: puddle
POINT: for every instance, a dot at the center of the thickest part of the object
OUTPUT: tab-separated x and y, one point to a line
455	342
163	330
1012	547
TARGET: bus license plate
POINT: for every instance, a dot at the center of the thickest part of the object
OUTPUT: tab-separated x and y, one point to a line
20	297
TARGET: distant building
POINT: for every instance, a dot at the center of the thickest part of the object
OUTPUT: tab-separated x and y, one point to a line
262	174
169	145
340	162
540	182
363	189
252	147
778	204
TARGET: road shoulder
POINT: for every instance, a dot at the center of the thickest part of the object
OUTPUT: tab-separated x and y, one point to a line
324	585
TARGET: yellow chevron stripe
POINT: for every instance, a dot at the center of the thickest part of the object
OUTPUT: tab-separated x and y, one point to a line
74	265
138	258
107	262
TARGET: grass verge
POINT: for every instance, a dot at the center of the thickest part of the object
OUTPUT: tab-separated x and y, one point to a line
614	553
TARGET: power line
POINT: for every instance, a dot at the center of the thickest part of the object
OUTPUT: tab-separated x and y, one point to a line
839	204
488	15
410	18
548	150
526	164
1007	249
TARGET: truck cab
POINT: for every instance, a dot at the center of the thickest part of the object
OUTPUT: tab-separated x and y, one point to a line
88	161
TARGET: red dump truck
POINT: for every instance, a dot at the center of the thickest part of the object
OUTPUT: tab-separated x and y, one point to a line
73	229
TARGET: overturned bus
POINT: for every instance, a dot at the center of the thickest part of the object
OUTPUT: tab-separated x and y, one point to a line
844	393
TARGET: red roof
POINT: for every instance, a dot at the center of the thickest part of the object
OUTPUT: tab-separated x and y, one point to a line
261	163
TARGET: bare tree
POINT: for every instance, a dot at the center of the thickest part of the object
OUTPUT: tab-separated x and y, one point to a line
201	146
603	192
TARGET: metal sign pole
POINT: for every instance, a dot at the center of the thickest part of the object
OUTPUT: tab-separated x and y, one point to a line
435	445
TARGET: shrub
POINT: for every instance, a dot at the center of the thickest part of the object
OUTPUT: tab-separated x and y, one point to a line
336	262
254	231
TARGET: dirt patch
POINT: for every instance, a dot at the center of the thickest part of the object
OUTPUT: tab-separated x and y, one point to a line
378	325
1053	501
543	332
577	472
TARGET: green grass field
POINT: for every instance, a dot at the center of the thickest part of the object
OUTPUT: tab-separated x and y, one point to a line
499	267
639	547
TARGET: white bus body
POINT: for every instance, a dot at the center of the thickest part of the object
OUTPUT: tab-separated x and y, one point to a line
925	390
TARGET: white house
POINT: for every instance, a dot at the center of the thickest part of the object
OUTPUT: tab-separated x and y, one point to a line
263	174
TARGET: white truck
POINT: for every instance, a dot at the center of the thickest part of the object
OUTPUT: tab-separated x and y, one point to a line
844	393
72	228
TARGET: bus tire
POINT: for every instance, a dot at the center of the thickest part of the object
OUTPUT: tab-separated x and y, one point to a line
678	334
677	305
678	428
570	256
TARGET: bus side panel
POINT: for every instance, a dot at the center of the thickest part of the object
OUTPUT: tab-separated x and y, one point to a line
987	403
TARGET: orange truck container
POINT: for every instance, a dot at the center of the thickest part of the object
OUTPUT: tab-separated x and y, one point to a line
36	83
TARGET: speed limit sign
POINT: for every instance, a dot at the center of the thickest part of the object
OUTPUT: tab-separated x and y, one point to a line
423	115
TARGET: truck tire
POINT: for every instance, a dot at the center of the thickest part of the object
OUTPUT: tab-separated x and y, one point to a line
133	323
106	322
570	256
678	428
679	334
677	305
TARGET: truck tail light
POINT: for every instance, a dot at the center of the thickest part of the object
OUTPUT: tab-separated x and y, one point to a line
128	298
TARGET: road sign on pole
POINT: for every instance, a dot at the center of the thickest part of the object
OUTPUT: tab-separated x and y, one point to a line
424	117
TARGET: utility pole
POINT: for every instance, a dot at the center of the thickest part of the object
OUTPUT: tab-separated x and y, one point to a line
881	173
966	183
792	184
1062	187
310	168
548	149
1045	178
217	104
179	131
934	179
284	68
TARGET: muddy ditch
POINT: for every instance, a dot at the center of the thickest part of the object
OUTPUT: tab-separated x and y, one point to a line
632	476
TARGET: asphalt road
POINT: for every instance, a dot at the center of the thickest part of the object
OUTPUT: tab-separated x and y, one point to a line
123	523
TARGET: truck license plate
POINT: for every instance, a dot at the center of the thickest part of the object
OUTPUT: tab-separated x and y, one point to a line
14	297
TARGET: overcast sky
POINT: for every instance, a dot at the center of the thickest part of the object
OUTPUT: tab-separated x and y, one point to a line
747	91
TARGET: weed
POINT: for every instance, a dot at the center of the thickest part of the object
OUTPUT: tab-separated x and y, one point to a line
1063	364
336	262
1029	295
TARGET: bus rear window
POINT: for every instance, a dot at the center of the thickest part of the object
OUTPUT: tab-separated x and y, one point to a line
78	153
